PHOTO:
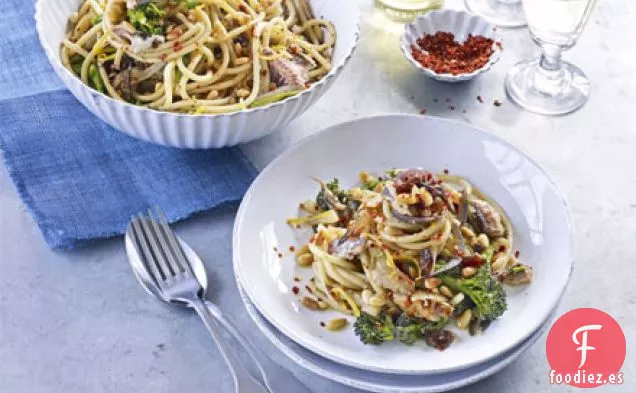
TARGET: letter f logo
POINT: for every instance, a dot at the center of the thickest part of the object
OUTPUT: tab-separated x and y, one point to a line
583	344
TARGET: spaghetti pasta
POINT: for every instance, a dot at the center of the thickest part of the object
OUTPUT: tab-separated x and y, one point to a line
198	56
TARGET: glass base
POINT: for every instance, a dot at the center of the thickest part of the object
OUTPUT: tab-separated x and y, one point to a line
406	10
564	92
504	13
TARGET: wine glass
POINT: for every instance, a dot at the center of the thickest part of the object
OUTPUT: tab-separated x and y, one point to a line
505	13
549	85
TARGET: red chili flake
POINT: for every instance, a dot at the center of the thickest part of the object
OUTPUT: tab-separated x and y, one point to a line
442	54
451	107
243	8
423	111
292	248
177	46
163	57
322	324
473	261
280	255
499	45
263	72
502	248
517	254
497	103
295	290
481	100
308	288
445	171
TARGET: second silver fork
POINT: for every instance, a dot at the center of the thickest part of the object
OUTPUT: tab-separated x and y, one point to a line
168	267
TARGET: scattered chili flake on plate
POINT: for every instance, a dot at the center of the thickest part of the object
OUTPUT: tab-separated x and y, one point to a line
440	52
481	100
292	248
497	103
295	290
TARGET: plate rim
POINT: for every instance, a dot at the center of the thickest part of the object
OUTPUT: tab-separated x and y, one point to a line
236	242
500	364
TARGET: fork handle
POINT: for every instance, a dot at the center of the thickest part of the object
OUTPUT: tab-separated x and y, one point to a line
243	381
276	378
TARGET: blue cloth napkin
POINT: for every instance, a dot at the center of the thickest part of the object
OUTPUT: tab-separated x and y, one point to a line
80	178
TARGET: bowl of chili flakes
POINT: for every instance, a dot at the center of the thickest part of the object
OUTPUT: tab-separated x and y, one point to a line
451	46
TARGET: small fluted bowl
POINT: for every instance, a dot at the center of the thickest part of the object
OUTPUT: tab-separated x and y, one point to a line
461	24
196	131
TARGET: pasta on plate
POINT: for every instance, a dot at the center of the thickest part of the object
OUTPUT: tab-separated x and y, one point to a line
198	56
408	252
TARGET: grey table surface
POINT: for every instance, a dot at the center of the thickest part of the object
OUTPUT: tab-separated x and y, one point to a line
77	322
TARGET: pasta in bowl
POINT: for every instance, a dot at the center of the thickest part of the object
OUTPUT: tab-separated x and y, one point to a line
222	71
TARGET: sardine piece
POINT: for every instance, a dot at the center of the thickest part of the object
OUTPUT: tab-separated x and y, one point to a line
488	218
390	278
286	72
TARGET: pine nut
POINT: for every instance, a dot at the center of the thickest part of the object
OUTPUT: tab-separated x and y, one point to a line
427	198
499	264
444	290
467	232
464	320
482	240
457	299
432	282
468	272
336	324
305	259
310	303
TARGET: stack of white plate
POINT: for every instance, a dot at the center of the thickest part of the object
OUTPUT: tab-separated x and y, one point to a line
536	208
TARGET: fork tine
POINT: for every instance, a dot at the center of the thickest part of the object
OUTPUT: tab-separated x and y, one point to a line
160	259
175	247
140	239
166	246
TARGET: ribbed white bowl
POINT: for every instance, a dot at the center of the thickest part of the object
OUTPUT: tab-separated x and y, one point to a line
196	131
461	24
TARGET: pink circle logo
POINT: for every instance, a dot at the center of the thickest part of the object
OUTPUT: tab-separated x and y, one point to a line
586	348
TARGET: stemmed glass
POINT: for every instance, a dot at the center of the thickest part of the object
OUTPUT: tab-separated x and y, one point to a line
549	85
505	13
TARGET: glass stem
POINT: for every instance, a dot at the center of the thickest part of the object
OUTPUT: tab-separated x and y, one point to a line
550	76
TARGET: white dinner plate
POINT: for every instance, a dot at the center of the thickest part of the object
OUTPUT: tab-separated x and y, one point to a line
536	208
382	382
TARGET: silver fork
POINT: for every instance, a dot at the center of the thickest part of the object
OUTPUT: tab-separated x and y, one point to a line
169	268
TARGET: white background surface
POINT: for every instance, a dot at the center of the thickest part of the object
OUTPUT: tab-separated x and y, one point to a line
78	322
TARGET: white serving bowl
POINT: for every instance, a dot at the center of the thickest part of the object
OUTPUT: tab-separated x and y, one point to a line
196	131
461	24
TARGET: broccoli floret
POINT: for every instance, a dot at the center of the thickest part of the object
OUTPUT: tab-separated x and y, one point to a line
147	18
410	329
485	291
374	330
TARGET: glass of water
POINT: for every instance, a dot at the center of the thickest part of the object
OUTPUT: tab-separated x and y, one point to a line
549	85
505	13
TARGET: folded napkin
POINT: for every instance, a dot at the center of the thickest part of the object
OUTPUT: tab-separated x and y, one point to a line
80	178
